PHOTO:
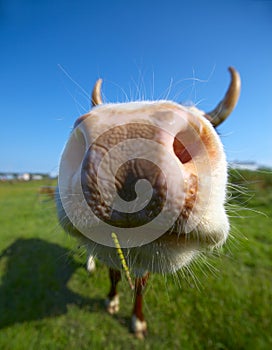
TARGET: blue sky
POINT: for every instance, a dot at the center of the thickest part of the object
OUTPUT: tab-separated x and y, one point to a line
51	53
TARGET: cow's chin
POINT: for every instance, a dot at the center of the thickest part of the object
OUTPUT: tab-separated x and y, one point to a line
168	253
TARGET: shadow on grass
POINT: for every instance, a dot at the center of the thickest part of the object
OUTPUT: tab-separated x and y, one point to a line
34	285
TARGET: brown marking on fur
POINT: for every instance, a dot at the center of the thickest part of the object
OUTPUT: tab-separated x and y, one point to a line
115	277
80	119
140	283
191	193
208	141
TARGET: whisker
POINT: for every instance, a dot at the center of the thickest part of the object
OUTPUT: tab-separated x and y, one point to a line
76	83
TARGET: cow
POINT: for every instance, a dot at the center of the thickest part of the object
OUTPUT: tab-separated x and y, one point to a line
154	175
49	191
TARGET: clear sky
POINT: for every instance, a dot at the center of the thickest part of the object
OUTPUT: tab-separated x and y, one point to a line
51	53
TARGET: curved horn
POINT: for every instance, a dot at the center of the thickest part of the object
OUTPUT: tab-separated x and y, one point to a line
226	106
96	94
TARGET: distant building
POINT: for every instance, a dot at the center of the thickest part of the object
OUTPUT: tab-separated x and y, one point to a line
6	177
23	177
36	177
244	165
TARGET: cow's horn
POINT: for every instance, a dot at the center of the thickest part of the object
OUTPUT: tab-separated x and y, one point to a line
96	94
226	106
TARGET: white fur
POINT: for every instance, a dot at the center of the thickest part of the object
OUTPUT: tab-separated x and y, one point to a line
138	327
90	265
112	305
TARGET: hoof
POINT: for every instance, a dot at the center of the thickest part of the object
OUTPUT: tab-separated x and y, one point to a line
90	265
138	327
112	305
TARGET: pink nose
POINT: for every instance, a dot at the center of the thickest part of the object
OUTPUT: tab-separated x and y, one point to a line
130	171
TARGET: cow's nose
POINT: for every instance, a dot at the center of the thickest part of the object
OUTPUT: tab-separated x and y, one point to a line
124	183
131	172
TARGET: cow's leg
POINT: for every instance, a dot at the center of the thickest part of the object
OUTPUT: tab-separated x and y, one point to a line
138	323
112	301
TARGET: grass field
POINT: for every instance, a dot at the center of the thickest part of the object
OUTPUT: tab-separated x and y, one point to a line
48	300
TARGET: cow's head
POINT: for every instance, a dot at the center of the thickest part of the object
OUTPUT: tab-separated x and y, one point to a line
154	173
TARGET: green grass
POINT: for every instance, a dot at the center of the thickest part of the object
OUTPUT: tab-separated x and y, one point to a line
48	300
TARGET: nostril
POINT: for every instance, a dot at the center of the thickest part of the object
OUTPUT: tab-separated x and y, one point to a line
181	151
